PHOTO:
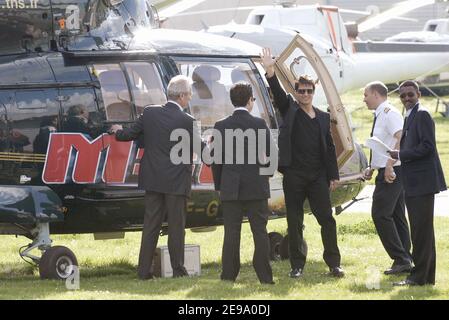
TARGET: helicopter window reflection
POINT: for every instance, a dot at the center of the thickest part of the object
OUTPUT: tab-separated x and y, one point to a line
115	92
3	130
145	84
32	110
32	99
211	85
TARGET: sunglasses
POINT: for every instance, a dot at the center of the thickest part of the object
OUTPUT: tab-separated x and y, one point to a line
408	94
304	91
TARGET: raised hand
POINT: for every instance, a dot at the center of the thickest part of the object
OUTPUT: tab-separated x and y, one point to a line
268	61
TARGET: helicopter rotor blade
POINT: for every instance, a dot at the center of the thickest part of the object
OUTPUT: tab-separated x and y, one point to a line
398	10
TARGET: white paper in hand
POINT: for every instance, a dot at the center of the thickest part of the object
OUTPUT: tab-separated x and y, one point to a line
378	147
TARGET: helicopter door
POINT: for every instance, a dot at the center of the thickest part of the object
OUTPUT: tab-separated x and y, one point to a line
300	58
126	89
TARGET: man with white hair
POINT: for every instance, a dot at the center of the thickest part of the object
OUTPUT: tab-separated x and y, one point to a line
167	185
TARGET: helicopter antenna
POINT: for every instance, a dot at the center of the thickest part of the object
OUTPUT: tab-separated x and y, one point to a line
285	3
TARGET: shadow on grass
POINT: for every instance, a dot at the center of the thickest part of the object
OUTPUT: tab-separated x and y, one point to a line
416	293
12	270
120	278
403	293
87	269
384	286
113	268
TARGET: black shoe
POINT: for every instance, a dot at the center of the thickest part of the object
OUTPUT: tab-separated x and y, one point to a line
337	272
406	282
146	277
295	273
180	273
268	282
400	268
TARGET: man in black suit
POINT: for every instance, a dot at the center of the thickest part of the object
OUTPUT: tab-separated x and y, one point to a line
422	179
308	162
243	189
167	184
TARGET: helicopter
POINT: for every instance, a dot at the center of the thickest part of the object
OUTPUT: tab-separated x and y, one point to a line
352	63
60	179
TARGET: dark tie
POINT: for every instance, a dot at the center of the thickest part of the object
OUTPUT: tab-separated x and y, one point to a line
405	123
372	132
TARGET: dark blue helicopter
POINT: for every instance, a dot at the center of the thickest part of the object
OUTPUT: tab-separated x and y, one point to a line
70	69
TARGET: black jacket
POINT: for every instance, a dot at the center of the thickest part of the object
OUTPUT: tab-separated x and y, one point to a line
288	107
242	181
421	168
157	172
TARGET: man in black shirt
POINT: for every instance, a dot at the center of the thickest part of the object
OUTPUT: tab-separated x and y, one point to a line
308	162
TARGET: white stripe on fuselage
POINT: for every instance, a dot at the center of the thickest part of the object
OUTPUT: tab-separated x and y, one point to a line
179	7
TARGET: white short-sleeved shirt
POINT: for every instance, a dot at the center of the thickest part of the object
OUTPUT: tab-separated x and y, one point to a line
388	121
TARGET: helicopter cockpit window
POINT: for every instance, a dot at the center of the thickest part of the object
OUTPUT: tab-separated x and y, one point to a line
145	84
115	92
211	83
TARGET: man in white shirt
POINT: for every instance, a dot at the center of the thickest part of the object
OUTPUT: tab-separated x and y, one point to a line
388	209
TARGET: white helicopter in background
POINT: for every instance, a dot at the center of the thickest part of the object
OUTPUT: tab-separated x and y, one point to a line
352	64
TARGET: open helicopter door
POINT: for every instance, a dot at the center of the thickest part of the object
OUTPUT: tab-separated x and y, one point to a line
301	58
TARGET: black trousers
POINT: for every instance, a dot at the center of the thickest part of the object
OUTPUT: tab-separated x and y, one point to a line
257	213
297	187
388	213
157	206
420	213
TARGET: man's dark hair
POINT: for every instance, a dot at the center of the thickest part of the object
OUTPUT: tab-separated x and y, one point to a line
410	83
76	110
240	93
378	87
305	80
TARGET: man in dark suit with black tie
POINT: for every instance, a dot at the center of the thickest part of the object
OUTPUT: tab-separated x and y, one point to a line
308	162
422	179
167	184
244	191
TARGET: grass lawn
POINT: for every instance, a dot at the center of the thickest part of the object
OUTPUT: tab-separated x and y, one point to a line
108	269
